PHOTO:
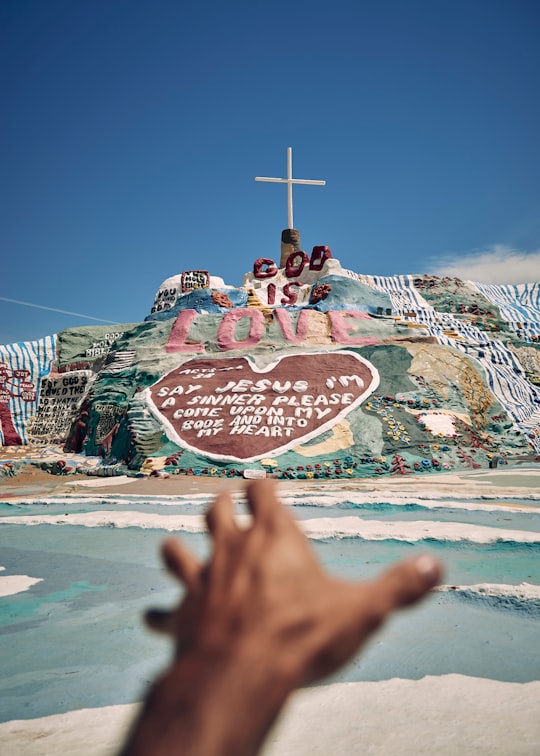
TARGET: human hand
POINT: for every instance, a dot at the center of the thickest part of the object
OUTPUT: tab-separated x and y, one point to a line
263	594
258	619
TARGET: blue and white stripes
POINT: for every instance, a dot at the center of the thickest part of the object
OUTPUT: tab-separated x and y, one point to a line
518	304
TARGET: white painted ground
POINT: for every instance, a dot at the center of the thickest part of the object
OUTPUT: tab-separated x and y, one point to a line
11	584
451	715
319	528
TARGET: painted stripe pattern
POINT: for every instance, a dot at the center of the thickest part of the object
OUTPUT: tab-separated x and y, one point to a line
519	305
35	357
504	373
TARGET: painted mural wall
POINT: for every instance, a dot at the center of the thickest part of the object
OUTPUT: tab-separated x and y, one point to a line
309	370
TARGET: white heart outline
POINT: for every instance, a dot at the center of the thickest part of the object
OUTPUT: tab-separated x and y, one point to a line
173	436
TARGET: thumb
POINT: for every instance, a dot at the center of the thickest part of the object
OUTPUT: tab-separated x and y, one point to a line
373	601
405	583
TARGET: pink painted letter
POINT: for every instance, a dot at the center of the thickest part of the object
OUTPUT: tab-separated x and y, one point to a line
341	330
179	332
225	335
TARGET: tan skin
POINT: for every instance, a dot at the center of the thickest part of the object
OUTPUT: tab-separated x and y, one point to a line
258	620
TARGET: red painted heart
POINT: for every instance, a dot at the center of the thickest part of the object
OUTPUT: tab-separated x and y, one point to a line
229	409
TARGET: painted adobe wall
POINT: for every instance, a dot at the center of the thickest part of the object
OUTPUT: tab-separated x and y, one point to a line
310	370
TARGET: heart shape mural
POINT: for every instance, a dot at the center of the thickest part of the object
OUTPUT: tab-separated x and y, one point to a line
230	409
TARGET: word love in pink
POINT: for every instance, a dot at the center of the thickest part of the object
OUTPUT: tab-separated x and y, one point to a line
344	326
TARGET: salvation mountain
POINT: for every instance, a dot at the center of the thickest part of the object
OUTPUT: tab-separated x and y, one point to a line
307	370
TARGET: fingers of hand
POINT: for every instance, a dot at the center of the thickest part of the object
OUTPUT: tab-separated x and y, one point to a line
181	563
220	517
261	498
160	620
264	504
405	583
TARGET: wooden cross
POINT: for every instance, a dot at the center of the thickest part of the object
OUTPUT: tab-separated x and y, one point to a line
289	181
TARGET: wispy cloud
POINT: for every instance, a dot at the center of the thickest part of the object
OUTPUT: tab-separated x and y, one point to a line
498	264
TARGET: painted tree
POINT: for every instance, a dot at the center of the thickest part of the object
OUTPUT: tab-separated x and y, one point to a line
399	466
467	459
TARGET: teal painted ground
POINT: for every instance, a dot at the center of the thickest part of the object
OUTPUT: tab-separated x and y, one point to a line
75	639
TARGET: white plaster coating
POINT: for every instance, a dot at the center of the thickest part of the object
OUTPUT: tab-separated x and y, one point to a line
437	422
318	494
316	529
100	482
12	584
524	591
449	715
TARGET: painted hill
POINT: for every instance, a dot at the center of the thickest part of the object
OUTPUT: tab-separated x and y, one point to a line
307	370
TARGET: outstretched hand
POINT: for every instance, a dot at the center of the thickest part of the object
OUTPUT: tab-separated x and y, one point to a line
264	583
259	619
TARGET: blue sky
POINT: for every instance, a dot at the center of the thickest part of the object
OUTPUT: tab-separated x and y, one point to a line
132	131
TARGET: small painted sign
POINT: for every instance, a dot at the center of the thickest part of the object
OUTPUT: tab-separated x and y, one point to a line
195	279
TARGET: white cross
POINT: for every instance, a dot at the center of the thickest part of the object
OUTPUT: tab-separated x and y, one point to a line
289	181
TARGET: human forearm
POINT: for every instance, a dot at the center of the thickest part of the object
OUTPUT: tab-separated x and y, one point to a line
205	705
258	619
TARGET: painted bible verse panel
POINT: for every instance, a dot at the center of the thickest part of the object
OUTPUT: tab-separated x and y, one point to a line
60	397
230	409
